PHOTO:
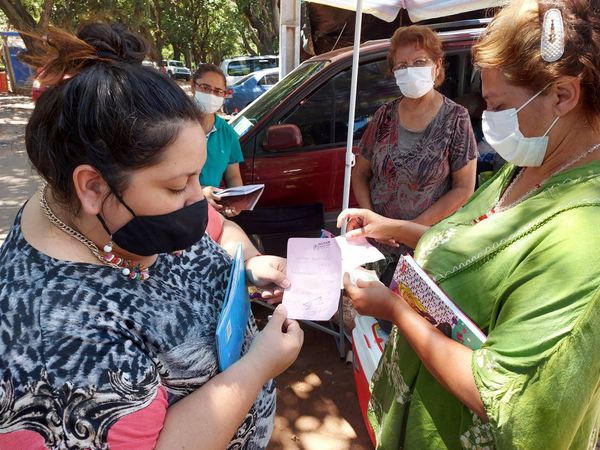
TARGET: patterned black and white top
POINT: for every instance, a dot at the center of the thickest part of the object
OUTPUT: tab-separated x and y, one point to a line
83	347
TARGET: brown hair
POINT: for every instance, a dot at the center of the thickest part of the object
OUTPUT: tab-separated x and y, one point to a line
207	68
512	45
426	39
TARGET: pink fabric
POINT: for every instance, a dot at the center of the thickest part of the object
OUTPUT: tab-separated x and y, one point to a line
140	430
22	440
215	224
136	431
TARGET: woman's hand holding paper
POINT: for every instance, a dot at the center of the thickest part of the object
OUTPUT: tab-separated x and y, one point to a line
366	223
268	272
371	298
277	346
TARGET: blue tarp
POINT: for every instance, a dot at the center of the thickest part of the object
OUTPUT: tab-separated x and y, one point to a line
21	74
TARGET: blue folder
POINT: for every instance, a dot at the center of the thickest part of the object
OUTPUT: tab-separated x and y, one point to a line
234	316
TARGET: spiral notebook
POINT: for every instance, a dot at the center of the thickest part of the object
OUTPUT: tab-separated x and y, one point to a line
234	316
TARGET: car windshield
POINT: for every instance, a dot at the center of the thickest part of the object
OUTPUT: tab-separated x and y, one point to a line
176	63
253	113
243	67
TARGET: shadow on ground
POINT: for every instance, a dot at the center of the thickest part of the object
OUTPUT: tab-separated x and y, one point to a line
17	179
317	405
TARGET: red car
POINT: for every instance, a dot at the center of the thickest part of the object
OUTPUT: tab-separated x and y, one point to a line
294	136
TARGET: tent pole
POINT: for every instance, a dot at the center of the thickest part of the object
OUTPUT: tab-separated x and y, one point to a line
352	109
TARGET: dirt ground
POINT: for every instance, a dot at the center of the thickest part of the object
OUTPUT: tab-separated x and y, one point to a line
317	406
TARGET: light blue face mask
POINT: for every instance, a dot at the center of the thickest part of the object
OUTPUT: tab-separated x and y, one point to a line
501	131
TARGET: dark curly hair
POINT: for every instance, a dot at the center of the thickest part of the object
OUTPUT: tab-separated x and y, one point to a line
103	108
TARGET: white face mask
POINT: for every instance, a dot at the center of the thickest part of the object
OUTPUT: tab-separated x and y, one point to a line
208	103
414	82
501	131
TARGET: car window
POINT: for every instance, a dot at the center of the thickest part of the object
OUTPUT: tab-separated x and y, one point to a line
244	121
267	63
242	80
314	116
239	68
375	88
269	80
323	117
246	66
459	69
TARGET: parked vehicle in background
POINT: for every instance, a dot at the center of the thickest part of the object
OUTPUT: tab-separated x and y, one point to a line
294	136
176	69
150	63
237	68
249	88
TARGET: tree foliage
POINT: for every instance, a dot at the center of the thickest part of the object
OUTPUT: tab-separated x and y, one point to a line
194	30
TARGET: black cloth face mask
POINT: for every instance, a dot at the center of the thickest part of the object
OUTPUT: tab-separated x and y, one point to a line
165	233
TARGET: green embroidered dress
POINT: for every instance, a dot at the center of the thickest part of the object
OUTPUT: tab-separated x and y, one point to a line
529	277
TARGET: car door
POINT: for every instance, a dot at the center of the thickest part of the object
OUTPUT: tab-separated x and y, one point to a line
314	172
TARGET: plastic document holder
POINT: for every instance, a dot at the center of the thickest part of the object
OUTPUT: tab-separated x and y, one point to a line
233	319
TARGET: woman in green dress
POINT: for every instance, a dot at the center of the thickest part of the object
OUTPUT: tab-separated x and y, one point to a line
521	258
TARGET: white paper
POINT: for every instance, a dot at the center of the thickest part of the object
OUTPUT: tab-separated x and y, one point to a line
315	268
356	252
314	271
242	126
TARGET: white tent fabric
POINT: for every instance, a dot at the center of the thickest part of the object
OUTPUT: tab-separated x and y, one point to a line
417	9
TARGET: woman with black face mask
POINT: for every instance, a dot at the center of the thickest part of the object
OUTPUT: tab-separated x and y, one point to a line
110	289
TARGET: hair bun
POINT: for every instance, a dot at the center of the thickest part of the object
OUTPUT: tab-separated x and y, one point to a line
114	41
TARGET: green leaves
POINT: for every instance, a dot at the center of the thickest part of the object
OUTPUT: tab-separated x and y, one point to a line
194	30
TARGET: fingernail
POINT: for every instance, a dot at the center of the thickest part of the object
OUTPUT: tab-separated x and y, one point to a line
286	283
269	317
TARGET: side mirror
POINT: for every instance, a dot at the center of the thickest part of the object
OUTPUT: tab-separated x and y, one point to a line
282	137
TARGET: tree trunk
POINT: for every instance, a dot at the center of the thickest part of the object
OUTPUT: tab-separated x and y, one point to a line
276	14
46	13
158	33
260	20
20	18
246	43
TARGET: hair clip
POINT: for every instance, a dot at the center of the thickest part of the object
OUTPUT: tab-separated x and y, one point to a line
553	36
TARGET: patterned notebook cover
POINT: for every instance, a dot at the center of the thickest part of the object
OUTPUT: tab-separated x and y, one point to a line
424	296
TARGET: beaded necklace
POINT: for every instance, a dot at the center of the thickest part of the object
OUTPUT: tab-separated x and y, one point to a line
495	209
129	268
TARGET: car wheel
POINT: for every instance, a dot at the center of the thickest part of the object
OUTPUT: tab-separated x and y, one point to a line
187	78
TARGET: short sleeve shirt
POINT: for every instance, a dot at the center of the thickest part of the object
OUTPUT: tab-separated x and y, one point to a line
411	171
92	359
223	149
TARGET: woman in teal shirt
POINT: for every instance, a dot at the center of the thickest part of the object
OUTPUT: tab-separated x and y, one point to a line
224	153
521	259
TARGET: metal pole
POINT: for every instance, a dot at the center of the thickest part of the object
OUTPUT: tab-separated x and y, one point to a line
289	36
10	72
351	112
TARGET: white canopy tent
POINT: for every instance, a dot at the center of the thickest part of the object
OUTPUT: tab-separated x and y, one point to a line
388	10
417	9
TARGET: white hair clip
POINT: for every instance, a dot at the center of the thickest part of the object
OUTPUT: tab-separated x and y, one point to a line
553	36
